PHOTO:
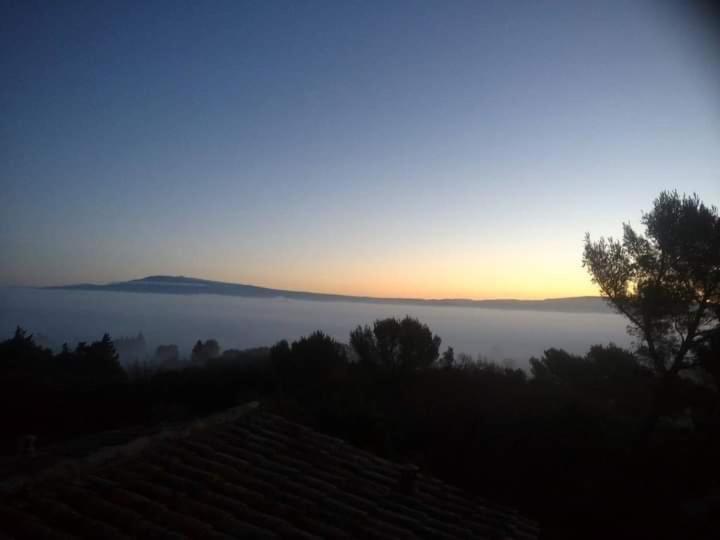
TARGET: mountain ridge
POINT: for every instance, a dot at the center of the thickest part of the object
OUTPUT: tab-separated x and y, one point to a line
165	284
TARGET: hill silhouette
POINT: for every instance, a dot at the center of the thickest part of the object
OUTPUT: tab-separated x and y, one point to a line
189	285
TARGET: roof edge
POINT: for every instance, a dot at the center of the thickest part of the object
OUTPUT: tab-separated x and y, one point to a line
59	465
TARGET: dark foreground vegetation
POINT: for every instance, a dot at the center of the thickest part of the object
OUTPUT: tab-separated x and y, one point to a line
613	444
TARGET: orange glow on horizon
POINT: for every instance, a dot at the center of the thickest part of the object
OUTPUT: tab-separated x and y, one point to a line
401	281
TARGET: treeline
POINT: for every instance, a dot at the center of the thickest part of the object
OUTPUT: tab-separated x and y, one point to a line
562	443
566	443
84	390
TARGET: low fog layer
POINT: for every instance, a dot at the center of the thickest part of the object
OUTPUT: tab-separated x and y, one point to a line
68	315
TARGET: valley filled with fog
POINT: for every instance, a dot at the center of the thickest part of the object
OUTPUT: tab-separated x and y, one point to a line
58	316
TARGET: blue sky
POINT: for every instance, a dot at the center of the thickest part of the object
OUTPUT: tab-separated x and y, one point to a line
433	149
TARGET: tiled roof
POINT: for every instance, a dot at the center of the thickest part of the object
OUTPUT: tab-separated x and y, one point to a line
244	474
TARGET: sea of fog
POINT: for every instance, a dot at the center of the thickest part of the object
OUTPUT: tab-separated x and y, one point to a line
499	334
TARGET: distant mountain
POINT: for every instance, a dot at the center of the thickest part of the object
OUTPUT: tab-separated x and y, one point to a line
188	285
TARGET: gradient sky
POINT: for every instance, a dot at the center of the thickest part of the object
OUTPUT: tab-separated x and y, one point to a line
423	149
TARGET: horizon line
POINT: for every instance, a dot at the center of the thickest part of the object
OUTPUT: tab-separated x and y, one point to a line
292	291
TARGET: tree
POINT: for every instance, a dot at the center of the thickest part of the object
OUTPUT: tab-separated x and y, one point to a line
23	361
97	363
609	365
212	348
666	282
362	340
318	354
202	352
614	364
447	360
310	363
167	355
557	365
396	344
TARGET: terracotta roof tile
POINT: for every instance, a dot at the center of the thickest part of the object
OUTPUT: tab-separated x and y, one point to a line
244	474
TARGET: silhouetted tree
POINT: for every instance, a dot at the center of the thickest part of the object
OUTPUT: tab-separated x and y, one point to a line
465	361
22	361
279	352
318	353
558	366
212	348
602	364
202	352
614	364
396	344
447	361
279	359
131	349
362	341
309	363
98	363
197	351
667	283
167	355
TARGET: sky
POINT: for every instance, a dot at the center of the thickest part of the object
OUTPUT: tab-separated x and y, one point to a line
407	149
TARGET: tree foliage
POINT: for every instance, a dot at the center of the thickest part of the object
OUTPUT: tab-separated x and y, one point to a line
98	361
204	351
394	344
666	282
309	363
